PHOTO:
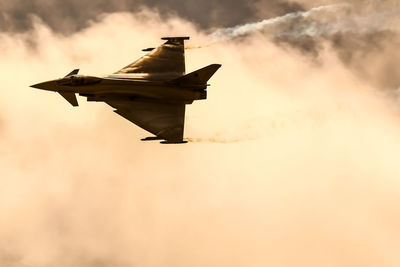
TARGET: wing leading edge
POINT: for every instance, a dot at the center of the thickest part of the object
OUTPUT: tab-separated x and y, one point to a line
165	121
167	60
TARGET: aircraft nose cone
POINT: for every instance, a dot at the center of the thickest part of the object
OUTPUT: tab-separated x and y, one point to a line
50	85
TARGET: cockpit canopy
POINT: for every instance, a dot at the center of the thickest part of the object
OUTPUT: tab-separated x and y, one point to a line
78	80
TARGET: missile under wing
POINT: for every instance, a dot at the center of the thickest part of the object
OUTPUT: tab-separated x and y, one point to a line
152	92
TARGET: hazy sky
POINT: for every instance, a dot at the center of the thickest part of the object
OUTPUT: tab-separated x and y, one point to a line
295	153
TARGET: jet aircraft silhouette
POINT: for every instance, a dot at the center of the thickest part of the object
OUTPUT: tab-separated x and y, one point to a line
152	92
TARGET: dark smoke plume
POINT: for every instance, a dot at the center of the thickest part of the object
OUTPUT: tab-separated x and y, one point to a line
73	15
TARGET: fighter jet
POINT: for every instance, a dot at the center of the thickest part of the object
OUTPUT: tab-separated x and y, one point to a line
152	92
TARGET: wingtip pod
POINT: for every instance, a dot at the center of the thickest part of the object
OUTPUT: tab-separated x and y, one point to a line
174	142
175	40
151	138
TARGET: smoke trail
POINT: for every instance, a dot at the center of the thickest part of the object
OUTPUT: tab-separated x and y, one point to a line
315	22
242	30
200	46
283	26
230	33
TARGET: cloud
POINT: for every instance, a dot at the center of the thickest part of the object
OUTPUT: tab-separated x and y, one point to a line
74	15
359	36
313	180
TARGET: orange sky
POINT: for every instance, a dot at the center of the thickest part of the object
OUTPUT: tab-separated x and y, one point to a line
294	164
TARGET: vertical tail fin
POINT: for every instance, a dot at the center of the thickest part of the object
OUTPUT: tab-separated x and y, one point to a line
200	76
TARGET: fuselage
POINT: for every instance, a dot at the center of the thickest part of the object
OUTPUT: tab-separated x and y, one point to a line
126	87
